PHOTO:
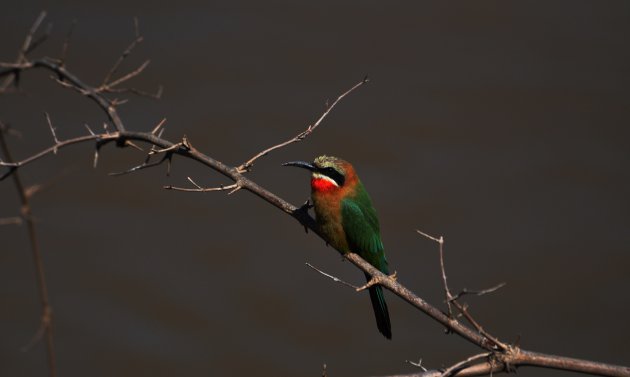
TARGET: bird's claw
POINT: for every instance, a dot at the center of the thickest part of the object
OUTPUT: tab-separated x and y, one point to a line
306	206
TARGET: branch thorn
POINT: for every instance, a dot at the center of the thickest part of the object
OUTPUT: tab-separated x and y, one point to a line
158	127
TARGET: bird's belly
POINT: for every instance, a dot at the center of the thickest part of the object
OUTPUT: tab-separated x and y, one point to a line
331	228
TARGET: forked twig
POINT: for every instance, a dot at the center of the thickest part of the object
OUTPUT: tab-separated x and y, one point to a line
417	364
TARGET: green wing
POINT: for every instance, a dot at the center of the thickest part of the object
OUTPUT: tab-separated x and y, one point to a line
360	223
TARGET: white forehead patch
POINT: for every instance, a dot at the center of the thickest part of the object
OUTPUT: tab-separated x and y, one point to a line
325	177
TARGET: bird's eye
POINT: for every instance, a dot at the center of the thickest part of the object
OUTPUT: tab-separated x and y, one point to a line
334	174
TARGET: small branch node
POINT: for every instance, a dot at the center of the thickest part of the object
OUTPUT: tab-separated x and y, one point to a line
418	364
377	280
186	143
236	188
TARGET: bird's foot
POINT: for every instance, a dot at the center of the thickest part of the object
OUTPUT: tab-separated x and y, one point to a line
303	210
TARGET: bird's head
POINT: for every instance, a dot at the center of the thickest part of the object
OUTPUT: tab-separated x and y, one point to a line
328	173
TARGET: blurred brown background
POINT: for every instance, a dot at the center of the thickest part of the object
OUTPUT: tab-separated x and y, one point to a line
501	125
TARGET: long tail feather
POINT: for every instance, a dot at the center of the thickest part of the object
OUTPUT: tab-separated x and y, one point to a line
380	310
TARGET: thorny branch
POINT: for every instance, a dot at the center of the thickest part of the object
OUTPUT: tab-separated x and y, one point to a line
498	356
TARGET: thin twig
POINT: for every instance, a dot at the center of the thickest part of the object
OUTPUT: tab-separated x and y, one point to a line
481	292
126	77
26	45
464	363
28	41
66	43
13	166
304	134
145	165
138	39
233	187
138	92
447	291
52	130
334	278
45	328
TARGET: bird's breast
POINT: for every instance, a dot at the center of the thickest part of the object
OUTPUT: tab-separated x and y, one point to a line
328	216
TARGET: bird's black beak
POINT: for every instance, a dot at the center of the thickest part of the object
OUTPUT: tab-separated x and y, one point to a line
301	164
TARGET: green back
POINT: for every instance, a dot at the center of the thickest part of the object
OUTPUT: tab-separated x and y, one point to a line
360	223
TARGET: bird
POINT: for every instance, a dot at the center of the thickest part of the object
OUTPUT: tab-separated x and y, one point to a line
348	221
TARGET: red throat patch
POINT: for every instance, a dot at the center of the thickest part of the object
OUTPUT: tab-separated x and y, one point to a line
321	184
